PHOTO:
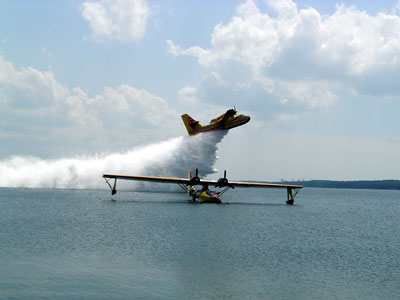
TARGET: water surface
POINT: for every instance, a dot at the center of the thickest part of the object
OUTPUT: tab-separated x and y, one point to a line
80	244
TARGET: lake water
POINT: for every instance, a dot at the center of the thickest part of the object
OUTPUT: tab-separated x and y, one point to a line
80	244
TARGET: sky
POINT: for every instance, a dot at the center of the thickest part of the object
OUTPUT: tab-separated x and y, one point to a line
320	80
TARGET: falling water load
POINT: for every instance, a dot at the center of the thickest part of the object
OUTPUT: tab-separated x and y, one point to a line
174	157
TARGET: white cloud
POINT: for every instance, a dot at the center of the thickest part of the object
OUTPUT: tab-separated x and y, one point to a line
28	88
123	20
187	95
309	93
195	51
285	8
39	115
303	56
128	102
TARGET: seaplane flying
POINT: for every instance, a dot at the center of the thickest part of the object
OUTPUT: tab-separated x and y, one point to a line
227	120
204	195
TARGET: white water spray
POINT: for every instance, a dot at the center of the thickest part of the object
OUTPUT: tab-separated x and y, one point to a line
174	157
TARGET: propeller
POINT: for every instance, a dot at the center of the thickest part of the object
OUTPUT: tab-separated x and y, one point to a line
195	180
223	182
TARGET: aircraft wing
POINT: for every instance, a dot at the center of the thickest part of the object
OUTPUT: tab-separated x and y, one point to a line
230	112
223	119
209	182
263	185
158	179
148	178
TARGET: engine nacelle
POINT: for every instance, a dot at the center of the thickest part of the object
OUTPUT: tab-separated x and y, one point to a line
195	180
223	182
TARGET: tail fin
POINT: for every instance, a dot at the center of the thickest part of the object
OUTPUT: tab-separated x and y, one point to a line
192	126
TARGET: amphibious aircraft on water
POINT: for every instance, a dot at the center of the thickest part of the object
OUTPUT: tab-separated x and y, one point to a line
227	120
204	195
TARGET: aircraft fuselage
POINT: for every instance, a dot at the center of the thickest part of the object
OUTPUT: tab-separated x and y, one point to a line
227	120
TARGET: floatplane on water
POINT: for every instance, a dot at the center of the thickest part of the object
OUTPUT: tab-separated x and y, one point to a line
230	119
203	195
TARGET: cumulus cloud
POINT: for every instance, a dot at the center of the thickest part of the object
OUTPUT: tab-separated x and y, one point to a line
39	115
124	20
301	57
187	95
28	88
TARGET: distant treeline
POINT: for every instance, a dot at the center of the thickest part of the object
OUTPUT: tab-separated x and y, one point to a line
362	184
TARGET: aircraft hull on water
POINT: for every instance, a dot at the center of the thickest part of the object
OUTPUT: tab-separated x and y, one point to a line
207	197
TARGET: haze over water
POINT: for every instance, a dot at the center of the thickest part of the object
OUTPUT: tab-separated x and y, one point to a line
78	244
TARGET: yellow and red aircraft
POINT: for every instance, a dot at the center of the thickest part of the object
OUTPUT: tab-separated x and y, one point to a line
204	195
227	120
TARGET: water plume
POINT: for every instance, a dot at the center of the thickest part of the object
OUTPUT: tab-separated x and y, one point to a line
174	157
